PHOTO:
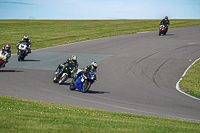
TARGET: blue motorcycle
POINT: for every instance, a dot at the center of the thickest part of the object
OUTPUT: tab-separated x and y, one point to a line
84	81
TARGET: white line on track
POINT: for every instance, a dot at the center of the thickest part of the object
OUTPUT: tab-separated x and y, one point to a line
177	84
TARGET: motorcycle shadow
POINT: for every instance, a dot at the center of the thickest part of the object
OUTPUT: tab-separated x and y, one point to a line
169	34
31	60
66	83
10	71
96	92
93	92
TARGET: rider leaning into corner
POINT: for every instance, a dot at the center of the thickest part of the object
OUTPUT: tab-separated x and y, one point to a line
71	62
85	70
165	22
5	50
26	41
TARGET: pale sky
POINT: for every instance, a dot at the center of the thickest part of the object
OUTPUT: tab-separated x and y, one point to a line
99	9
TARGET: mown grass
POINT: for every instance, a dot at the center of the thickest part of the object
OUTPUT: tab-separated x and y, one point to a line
21	115
190	83
47	33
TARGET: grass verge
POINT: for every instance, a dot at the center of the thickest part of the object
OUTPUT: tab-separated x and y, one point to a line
190	83
21	115
47	33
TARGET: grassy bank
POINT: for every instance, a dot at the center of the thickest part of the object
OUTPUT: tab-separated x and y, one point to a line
47	33
20	115
191	81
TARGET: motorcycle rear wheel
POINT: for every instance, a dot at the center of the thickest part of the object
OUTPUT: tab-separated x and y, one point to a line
85	86
62	79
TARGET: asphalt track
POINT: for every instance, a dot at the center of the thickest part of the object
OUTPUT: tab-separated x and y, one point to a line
137	73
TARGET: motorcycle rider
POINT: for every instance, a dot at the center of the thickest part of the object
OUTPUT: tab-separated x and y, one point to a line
85	70
71	62
26	41
165	22
5	50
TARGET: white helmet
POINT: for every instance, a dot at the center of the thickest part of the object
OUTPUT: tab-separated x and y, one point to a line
25	37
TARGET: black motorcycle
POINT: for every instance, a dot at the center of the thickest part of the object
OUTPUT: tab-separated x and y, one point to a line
162	29
62	74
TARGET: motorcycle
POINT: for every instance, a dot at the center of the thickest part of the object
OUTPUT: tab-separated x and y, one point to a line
61	75
162	29
84	81
3	59
22	53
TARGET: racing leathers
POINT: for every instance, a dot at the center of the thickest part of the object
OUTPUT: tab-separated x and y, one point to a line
70	64
82	71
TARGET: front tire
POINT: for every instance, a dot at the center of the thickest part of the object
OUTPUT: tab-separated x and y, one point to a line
159	32
19	56
55	80
85	86
71	87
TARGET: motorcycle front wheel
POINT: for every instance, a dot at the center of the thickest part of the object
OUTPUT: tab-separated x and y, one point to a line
85	86
19	56
159	32
55	80
71	87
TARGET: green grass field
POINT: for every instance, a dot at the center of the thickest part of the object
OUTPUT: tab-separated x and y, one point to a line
191	81
20	115
47	33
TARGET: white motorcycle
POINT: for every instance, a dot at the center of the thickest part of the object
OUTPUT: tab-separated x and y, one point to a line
22	51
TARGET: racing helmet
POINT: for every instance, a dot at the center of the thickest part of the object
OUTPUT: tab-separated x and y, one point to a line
26	37
166	17
7	47
73	58
94	64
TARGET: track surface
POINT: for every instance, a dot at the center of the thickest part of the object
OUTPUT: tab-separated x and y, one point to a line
137	73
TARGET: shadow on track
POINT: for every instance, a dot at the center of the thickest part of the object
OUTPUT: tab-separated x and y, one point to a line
10	71
169	34
66	83
96	92
92	92
31	60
